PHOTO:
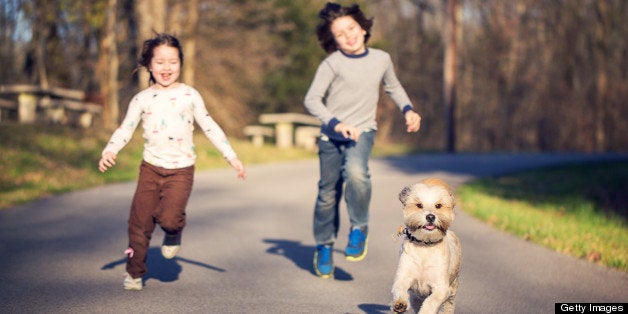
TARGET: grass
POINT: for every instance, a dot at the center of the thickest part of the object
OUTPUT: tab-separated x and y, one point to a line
38	161
42	160
576	209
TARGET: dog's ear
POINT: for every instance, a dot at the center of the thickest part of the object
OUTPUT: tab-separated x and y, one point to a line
403	195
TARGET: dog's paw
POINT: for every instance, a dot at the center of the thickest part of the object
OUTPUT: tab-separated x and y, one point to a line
399	306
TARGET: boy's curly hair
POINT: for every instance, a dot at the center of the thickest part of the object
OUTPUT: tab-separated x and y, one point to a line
333	11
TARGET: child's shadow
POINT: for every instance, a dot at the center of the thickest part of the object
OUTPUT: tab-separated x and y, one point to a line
302	256
160	268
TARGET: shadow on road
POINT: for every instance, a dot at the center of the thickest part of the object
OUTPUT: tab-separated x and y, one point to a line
301	255
160	268
374	308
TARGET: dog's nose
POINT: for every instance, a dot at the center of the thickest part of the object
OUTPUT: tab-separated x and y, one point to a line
430	217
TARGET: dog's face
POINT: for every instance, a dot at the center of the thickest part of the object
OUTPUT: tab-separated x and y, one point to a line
428	209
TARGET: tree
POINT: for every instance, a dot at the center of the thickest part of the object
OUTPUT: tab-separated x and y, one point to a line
109	65
151	19
449	70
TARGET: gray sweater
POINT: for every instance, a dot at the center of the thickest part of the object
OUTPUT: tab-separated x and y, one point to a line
346	89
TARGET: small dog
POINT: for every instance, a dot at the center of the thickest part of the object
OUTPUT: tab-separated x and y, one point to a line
430	255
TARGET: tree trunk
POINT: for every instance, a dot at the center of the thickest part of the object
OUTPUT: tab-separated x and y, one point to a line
109	64
151	18
449	69
41	33
601	82
189	46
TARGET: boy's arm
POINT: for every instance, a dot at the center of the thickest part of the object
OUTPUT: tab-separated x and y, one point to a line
393	87
413	121
316	93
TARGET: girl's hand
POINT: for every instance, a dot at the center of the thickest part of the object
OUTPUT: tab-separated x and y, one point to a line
413	121
348	131
108	160
239	167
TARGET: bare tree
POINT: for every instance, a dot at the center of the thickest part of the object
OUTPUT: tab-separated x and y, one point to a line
183	23
151	18
450	73
109	65
189	46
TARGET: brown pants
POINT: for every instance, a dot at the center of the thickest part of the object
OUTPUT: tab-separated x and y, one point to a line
160	198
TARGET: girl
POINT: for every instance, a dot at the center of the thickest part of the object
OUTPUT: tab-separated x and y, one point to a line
344	96
168	110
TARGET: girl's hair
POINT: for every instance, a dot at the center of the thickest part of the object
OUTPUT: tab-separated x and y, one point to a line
149	48
333	11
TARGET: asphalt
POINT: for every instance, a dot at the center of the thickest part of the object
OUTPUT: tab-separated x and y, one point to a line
248	248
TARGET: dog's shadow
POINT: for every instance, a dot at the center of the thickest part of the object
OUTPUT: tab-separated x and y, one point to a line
302	256
371	308
160	268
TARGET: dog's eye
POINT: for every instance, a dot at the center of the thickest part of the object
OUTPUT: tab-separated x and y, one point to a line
439	205
419	205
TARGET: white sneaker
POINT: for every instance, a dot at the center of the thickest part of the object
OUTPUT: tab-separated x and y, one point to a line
131	283
170	251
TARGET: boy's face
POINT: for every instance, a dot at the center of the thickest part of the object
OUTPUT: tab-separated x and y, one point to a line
165	66
349	35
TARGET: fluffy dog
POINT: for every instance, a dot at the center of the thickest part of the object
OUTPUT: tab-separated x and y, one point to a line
430	255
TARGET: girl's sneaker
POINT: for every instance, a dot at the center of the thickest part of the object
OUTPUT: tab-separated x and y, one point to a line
131	283
171	245
170	251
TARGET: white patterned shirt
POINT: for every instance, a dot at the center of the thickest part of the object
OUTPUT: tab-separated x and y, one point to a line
168	120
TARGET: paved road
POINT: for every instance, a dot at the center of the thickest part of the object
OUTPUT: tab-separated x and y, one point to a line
248	248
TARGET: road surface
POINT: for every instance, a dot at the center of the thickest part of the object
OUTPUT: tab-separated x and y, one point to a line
248	248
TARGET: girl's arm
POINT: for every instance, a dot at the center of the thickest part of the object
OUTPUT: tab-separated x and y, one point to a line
216	135
121	136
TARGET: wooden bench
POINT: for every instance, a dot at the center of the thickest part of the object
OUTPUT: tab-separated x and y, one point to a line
58	104
79	113
285	123
307	136
257	133
8	105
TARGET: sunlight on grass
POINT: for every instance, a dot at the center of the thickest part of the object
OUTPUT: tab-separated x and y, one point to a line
39	161
545	208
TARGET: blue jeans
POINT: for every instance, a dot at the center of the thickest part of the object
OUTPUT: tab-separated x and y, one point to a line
340	163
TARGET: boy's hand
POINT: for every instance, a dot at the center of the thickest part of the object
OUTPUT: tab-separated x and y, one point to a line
348	131
413	121
108	160
239	167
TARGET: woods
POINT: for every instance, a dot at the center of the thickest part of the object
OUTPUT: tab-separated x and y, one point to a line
526	75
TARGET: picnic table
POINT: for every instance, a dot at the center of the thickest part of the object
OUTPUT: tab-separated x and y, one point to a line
60	105
285	127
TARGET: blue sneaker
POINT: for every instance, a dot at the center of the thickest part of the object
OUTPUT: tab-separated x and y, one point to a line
324	261
356	248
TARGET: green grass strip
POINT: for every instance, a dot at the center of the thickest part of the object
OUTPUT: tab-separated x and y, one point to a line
578	209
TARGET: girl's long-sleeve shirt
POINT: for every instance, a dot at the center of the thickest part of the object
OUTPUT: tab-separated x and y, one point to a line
346	89
168	117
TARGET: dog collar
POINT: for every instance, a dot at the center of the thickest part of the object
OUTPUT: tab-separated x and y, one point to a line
412	238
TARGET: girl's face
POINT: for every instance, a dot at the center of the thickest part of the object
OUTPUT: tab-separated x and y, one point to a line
349	35
165	66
